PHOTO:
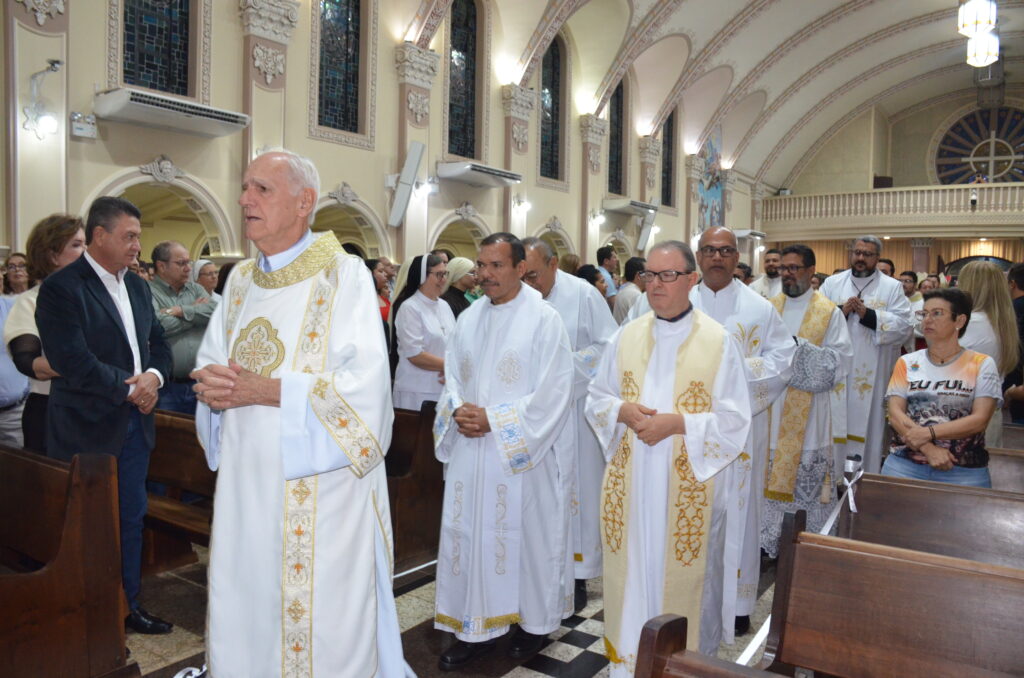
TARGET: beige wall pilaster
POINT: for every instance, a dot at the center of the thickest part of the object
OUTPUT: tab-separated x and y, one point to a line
594	131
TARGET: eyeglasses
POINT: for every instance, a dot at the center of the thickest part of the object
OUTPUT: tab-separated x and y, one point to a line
663	276
530	276
937	313
182	263
864	253
791	268
17	267
208	273
440	275
709	251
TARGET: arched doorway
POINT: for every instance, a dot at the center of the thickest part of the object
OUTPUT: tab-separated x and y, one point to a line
555	235
461	237
353	229
169	213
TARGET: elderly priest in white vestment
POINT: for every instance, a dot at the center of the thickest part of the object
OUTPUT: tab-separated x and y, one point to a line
295	414
503	557
671	407
879	321
590	326
800	469
768	354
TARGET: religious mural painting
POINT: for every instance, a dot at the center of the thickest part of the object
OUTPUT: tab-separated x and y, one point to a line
710	204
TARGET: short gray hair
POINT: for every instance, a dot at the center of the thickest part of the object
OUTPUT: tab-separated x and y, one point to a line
533	243
871	240
303	174
162	251
679	246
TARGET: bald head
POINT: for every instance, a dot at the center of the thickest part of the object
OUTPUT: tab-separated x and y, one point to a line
717	256
718	234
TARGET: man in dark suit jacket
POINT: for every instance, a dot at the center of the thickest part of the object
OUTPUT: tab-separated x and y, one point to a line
99	332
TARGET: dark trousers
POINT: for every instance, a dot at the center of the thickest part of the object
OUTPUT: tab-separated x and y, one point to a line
132	466
178	396
33	422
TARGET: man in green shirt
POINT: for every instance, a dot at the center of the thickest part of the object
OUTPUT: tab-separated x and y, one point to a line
184	309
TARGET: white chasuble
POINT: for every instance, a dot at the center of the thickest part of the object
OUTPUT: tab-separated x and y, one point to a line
503	556
800	468
663	519
768	349
590	326
875	351
301	546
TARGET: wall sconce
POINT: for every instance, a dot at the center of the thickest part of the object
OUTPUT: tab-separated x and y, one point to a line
521	203
37	118
426	188
597	217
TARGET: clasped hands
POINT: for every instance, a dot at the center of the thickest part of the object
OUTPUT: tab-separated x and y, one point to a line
223	387
919	439
650	427
854	305
144	396
472	420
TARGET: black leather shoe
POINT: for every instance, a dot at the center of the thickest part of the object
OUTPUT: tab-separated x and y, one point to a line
742	625
525	644
461	653
141	621
580	595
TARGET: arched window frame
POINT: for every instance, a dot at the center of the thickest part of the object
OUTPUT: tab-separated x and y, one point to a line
562	182
670	160
200	36
368	31
483	83
624	143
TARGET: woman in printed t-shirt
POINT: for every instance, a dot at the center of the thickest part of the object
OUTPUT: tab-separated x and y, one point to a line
941	398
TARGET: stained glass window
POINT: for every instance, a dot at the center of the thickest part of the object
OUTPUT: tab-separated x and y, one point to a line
156	44
551	112
462	80
339	65
615	126
668	160
986	145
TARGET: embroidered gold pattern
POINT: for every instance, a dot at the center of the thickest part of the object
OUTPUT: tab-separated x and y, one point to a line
614	490
692	501
240	282
509	369
311	353
500	511
258	349
325	248
477	625
457	528
348	430
297	578
748	339
465	369
862	381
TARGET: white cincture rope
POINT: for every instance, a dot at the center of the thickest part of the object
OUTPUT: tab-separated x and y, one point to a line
424	565
191	672
852	467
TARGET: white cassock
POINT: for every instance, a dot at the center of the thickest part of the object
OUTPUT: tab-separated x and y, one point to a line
767	287
641	306
823	365
590	326
875	351
768	349
301	548
713	440
422	325
503	556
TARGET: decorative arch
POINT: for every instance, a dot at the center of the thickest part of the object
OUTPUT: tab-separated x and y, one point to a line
943	127
466	214
223	240
373	236
554	234
625	245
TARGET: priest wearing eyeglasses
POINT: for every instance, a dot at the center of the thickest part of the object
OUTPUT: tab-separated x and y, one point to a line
670	405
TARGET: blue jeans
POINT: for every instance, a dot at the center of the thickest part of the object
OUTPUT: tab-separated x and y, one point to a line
177	396
132	465
900	467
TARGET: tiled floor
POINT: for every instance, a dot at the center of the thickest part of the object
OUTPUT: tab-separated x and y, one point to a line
576	650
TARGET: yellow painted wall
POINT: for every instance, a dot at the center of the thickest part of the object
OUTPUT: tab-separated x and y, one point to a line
843	163
910	140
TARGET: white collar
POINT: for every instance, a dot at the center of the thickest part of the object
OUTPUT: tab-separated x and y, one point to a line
278	261
102	272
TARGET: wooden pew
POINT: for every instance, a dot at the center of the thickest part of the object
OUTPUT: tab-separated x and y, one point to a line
415	487
951	520
65	618
854	610
1006	467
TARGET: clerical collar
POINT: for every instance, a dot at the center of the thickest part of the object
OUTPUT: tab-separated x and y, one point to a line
677	318
278	261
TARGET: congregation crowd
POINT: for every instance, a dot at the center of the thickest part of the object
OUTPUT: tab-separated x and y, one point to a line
650	426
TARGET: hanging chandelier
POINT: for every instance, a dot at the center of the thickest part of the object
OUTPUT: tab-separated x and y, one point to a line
976	17
983	50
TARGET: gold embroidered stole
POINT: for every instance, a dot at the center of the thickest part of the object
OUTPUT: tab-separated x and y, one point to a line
689	506
796	407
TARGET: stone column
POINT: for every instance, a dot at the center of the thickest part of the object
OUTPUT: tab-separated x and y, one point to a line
267	26
417	69
694	168
650	152
517	103
921	253
594	130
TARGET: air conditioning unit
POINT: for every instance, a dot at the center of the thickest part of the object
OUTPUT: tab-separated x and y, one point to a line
475	174
630	207
139	107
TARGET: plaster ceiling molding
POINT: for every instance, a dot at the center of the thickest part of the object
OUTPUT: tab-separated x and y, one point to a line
596	31
553	224
517	102
344	195
656	68
729	179
694	168
520	135
738	122
270	19
554	17
650	151
699	102
426	22
415	65
593	130
467	211
43	9
162	169
268	61
418	104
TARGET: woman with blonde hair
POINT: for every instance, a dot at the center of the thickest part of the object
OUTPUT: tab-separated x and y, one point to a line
570	263
993	326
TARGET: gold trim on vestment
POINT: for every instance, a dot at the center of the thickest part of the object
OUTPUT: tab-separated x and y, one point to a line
487	623
298	553
241	279
258	349
345	426
796	407
688	519
324	249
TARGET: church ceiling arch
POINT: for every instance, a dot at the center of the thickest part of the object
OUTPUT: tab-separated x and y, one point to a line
737	122
656	68
552	21
515	21
700	100
599	28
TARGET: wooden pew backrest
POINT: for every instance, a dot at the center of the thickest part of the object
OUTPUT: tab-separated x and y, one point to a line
951	520
1007	469
178	459
35	489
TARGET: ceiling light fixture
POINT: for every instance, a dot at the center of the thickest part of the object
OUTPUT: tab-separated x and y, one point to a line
976	17
983	49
